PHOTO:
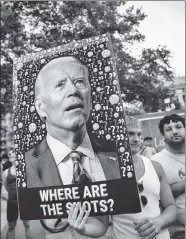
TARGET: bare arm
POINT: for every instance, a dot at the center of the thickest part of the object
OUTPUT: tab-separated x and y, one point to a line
88	226
4	184
178	188
4	176
150	227
167	202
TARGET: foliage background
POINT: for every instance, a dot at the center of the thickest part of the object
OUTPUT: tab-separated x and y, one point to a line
33	26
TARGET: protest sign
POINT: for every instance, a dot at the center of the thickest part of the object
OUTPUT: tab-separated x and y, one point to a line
41	191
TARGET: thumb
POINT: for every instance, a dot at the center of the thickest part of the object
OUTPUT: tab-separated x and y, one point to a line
135	222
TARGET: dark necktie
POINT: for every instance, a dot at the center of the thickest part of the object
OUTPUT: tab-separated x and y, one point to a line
80	176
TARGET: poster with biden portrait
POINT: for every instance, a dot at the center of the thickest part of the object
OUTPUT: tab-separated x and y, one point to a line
71	141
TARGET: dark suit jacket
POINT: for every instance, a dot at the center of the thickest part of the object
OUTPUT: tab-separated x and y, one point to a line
42	171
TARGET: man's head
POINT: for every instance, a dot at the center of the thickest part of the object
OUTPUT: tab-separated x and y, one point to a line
63	96
148	141
11	155
4	158
134	133
172	127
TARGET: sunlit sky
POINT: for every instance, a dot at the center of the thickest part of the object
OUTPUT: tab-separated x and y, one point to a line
164	25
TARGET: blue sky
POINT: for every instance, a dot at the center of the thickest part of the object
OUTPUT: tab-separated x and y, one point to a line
164	25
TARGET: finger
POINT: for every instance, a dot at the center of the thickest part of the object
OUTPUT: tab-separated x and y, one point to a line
76	210
146	226
71	211
84	219
147	232
140	223
80	217
151	236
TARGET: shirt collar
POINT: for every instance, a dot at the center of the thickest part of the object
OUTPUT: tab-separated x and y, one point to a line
60	150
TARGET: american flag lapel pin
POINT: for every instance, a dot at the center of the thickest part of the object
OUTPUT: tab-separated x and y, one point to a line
112	158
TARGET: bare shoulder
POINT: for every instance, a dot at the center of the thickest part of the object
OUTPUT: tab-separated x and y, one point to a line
159	169
5	173
157	156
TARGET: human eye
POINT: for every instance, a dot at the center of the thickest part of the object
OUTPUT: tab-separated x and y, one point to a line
131	133
168	129
179	126
79	81
60	84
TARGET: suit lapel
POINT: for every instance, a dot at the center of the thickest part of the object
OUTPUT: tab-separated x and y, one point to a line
108	160
45	166
48	173
110	165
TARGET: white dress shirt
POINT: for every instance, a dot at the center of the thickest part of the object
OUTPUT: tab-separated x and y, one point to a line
90	161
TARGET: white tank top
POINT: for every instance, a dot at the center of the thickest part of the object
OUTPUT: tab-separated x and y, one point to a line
123	227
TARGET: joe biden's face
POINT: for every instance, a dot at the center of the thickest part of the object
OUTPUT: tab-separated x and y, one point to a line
66	101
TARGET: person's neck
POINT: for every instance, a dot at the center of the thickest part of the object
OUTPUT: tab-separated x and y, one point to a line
177	149
142	146
136	159
71	139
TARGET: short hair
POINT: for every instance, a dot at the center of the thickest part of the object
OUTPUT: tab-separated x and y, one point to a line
39	83
49	66
167	119
5	156
131	121
147	138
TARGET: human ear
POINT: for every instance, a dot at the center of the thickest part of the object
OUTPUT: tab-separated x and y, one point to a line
164	140
40	108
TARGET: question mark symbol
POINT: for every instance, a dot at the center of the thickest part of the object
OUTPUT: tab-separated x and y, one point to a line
113	128
18	182
106	126
111	111
124	169
111	202
124	161
102	94
127	153
107	88
23	166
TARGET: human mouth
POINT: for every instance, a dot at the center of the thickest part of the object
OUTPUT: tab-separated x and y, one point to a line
176	137
135	145
75	107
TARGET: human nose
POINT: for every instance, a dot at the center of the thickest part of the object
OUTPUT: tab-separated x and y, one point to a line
174	130
136	138
71	88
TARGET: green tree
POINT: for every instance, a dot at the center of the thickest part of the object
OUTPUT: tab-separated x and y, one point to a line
32	26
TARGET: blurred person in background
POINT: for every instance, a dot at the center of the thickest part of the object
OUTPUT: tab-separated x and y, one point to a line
154	190
5	162
9	181
172	159
148	141
145	150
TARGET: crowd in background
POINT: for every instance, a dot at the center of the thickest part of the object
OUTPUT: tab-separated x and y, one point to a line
171	158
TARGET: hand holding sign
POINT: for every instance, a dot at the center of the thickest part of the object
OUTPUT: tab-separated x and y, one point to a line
77	217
